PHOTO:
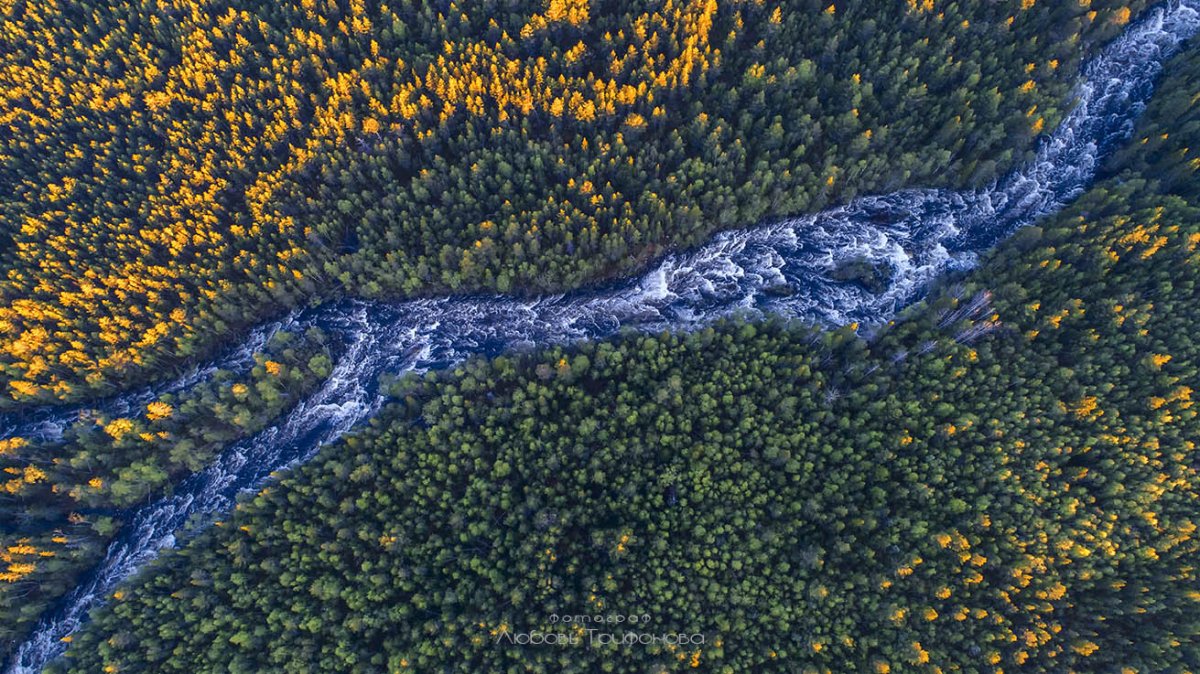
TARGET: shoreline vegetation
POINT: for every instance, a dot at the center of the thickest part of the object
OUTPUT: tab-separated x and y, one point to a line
65	500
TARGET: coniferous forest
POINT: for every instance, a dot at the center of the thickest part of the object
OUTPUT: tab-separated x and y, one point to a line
66	498
177	170
1000	478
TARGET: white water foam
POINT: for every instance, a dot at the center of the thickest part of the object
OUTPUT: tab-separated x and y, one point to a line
48	424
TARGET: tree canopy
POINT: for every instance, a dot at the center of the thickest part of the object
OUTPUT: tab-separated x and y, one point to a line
174	170
1002	479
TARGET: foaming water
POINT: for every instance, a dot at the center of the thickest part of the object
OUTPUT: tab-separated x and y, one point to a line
788	267
47	424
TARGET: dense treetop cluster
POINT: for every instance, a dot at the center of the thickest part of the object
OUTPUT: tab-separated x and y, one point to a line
63	499
1004	479
173	170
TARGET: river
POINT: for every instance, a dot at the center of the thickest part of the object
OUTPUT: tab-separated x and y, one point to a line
785	267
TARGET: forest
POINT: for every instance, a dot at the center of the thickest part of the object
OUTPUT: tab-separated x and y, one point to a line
64	499
173	171
1001	479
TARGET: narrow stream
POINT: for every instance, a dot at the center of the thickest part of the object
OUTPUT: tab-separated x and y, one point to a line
786	267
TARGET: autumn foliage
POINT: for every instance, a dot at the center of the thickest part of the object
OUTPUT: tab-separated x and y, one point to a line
64	499
1003	479
173	170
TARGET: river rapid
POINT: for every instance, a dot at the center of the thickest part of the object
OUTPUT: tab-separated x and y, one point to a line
788	267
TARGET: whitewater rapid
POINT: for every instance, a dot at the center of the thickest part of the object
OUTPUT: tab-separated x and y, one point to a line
787	267
48	423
